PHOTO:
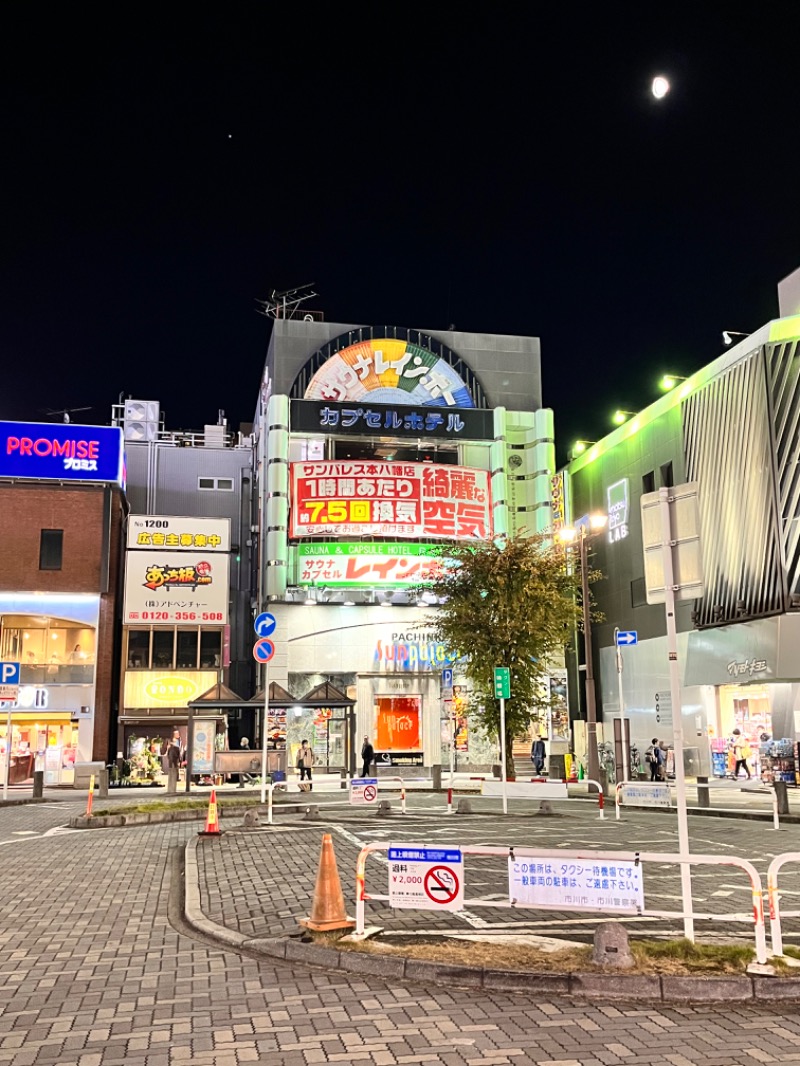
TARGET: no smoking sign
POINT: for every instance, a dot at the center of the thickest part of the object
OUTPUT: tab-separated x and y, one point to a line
363	791
422	878
441	885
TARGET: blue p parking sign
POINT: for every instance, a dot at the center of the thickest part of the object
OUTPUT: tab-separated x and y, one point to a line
9	681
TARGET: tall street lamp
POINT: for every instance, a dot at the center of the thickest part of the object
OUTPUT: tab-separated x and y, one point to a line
582	533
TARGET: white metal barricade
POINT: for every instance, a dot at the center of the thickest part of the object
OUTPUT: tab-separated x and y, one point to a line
775	931
536	788
632	857
271	786
619	800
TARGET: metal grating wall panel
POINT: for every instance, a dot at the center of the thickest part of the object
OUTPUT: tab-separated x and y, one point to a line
728	448
783	371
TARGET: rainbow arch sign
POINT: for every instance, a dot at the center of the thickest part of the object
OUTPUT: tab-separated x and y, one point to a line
385	370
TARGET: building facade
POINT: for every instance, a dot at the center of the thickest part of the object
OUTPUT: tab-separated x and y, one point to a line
187	614
733	429
62	510
376	446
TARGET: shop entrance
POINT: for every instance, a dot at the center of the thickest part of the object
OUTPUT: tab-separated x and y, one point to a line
748	709
325	718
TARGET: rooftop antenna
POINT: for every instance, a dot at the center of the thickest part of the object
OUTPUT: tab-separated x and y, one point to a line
65	412
285	304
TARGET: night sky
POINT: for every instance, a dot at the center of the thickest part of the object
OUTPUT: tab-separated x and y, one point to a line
504	173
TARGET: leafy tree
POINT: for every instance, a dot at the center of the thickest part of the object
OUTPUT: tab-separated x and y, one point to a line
511	602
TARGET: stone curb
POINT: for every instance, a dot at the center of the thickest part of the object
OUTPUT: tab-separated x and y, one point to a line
119	821
600	986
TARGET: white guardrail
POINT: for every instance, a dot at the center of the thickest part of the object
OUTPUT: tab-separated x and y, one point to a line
271	786
629	858
659	788
535	788
775	930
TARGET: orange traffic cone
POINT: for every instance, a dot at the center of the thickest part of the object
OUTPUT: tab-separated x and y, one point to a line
327	908
212	828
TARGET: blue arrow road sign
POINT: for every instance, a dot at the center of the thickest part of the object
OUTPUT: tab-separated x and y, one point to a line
265	624
626	637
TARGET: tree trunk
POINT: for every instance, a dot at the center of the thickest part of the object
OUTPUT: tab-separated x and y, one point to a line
511	773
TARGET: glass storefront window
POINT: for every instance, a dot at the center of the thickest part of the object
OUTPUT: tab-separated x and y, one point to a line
187	649
138	649
163	648
50	650
210	649
398	723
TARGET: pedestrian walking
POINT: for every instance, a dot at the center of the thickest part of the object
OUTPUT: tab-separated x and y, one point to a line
305	760
367	755
741	753
538	754
244	779
655	759
174	750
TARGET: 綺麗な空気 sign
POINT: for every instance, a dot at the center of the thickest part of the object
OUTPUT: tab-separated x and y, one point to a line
390	499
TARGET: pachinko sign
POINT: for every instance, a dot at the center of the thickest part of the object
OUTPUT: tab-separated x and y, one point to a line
411	651
382	565
390	500
61	452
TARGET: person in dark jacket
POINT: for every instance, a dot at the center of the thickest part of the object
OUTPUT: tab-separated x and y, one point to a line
367	755
538	754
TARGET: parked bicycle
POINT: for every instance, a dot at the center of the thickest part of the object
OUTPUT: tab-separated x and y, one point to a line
607	761
636	765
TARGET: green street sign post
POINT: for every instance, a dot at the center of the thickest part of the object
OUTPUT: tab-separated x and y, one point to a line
502	683
502	691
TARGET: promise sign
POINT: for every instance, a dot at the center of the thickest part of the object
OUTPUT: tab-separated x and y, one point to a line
388	499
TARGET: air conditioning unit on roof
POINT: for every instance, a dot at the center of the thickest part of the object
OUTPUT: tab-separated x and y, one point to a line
142	420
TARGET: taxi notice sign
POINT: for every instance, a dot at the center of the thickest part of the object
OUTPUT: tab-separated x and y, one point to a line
422	878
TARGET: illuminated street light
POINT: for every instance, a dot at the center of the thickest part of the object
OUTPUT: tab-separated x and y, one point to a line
669	381
729	334
583	532
620	417
660	87
579	447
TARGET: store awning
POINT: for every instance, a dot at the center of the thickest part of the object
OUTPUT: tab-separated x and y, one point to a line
278	697
219	697
325	695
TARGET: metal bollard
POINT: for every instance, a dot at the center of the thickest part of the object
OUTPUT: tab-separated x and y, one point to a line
102	784
436	774
782	796
172	780
703	794
38	784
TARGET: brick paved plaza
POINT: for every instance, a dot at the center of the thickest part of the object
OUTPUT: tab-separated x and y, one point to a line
96	967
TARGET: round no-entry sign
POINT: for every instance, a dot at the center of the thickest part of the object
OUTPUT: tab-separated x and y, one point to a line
263	650
441	884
